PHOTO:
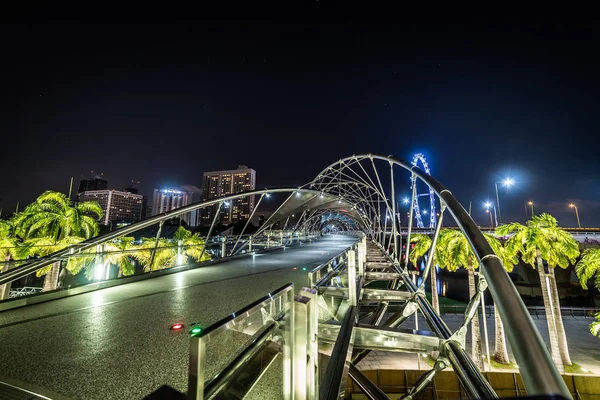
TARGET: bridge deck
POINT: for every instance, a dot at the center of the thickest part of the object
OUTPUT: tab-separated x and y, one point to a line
115	343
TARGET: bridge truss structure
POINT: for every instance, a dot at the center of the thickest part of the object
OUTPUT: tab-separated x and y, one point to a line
355	195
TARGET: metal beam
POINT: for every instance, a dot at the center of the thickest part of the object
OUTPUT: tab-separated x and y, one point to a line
384	339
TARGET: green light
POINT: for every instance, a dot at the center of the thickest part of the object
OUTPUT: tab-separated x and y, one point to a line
195	331
304	269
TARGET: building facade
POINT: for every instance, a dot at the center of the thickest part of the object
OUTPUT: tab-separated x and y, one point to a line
86	185
170	199
116	205
217	184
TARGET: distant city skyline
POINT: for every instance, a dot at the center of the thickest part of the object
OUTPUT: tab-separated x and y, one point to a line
159	103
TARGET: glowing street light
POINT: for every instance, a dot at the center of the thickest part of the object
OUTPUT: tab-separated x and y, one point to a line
505	182
572	205
490	214
530	203
405	200
488	204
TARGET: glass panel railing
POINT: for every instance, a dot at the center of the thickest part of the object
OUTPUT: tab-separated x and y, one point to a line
232	355
131	256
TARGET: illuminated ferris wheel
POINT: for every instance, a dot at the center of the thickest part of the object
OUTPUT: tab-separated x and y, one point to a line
429	192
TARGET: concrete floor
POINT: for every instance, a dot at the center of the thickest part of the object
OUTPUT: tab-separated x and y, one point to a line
115	343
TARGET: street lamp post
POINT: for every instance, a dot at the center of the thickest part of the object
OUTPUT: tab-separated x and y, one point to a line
488	206
491	222
572	205
530	203
506	182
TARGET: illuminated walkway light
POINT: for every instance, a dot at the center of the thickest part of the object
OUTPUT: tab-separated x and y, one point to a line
177	326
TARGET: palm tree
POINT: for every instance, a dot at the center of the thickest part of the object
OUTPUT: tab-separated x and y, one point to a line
456	252
44	246
587	268
53	214
117	255
508	261
542	239
422	245
11	248
192	244
169	254
115	252
54	218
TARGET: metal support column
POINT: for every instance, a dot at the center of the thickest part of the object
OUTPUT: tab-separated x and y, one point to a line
212	225
410	217
246	224
156	240
431	255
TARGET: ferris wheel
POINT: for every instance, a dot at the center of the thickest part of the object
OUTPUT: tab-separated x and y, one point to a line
419	157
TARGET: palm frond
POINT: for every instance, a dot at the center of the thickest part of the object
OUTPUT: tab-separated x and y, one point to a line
422	244
588	267
595	326
90	207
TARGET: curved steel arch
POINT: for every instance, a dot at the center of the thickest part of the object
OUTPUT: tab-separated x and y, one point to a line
316	220
539	372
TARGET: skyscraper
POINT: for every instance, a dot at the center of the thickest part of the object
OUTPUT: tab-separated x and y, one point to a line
169	199
117	206
224	183
98	183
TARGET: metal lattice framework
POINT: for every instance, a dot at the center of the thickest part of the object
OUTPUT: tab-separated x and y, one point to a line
416	159
358	192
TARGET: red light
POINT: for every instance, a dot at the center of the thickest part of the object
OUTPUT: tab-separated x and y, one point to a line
176	327
294	268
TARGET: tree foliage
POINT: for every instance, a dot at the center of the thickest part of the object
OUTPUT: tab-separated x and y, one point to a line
542	233
53	215
588	267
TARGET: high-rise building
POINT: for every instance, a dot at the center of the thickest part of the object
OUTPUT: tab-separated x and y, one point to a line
97	183
169	199
224	183
116	205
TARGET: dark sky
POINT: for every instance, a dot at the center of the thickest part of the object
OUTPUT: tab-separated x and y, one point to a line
160	94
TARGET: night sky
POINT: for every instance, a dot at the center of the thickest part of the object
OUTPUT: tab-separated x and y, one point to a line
161	94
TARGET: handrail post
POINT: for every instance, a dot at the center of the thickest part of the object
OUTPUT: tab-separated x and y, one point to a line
352	295
197	366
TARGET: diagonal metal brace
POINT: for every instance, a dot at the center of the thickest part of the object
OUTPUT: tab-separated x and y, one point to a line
424	380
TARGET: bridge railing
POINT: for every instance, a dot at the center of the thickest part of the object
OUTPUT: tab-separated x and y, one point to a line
535	311
104	263
232	354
